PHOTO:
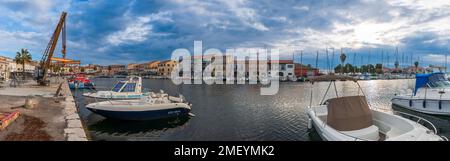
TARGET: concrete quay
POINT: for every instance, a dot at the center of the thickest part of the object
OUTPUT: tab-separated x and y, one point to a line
51	119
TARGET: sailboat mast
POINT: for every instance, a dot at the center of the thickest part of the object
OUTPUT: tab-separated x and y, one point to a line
446	63
368	62
328	62
332	60
301	63
354	61
317	60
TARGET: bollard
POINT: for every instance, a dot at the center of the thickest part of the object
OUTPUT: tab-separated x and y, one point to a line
31	102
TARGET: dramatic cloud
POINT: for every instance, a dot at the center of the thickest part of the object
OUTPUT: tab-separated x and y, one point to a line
123	31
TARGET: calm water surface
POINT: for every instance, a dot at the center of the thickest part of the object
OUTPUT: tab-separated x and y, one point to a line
239	112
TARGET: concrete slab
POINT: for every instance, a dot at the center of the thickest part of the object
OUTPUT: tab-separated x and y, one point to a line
74	124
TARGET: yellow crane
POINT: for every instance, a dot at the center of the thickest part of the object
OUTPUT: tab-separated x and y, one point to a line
47	58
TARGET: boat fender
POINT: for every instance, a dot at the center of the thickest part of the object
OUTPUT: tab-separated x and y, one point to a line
410	103
440	104
424	104
309	124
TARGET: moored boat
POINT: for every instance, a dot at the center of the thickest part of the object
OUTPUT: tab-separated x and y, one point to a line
430	95
155	106
350	118
127	89
80	81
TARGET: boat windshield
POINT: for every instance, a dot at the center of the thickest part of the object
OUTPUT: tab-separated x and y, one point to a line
434	80
117	87
129	87
438	81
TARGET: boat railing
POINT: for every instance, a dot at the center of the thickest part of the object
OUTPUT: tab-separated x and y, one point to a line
419	120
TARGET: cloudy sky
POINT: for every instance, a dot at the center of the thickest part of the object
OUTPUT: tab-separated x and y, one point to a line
124	31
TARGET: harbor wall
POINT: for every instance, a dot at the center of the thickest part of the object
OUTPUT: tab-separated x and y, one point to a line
75	130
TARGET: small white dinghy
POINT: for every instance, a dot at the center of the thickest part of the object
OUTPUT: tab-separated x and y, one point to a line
351	119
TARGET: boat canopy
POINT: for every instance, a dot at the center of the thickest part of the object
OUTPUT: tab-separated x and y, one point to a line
133	84
434	80
117	87
349	113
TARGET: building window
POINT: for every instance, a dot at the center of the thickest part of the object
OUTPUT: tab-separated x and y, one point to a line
282	66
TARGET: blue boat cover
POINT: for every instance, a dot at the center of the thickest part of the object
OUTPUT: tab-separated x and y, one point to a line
432	80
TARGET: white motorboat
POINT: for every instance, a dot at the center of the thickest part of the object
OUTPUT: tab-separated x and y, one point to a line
350	118
128	89
152	107
429	96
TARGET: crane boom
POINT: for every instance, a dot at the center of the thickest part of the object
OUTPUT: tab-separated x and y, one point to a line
48	54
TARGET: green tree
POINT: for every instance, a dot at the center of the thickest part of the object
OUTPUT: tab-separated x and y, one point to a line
416	65
348	68
343	57
371	68
23	57
379	68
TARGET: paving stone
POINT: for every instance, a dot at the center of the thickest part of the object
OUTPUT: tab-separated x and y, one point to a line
74	137
74	124
73	117
77	131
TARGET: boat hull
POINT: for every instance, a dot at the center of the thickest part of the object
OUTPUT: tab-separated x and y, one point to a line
142	115
429	106
115	96
395	128
81	85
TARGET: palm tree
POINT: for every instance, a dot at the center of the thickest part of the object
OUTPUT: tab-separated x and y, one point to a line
342	57
23	57
416	64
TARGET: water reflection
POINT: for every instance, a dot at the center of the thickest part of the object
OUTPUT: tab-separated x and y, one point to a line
126	130
239	112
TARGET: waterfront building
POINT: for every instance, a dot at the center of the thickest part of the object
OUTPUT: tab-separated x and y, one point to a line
305	70
30	67
165	68
5	67
116	69
91	69
103	70
149	68
133	69
8	66
286	68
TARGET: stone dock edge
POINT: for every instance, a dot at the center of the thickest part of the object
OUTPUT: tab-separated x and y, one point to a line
75	130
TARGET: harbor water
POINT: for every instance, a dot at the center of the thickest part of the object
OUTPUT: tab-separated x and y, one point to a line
239	112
